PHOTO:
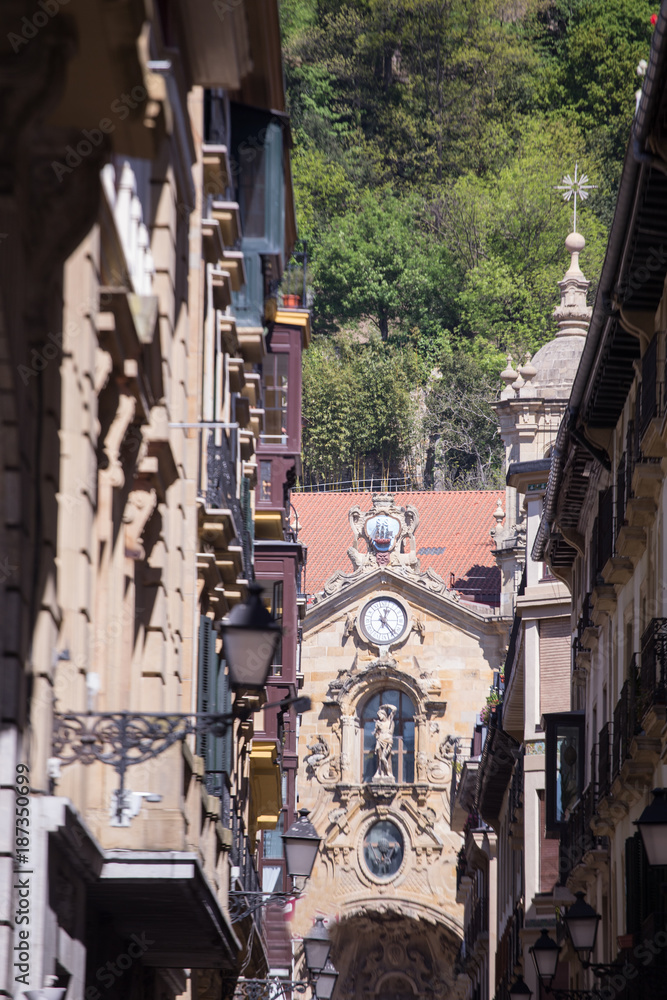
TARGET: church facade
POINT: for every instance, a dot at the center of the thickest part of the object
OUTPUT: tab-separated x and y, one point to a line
397	663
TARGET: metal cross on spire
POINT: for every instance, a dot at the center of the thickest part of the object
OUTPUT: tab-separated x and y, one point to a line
575	187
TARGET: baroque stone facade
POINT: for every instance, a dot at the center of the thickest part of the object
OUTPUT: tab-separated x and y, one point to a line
397	668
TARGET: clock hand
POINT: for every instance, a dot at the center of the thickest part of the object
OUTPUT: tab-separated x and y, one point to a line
387	626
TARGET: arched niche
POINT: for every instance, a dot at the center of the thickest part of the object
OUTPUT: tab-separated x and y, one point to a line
357	689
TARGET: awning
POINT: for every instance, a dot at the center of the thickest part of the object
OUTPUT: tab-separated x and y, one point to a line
166	895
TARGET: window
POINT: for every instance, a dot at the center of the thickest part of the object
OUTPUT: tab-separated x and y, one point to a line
403	743
565	742
275	368
265	481
277	611
213	695
272	846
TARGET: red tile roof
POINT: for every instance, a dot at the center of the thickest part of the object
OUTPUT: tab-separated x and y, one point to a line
452	536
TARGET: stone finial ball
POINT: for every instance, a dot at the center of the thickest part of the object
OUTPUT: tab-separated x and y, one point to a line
575	243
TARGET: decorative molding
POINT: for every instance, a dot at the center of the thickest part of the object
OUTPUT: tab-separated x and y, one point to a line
388	532
139	508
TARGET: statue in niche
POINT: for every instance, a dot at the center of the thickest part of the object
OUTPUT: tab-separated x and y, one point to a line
384	741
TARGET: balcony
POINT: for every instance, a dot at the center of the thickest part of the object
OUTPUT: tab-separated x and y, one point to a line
626	755
223	521
653	676
652	403
516	804
244	871
476	936
580	847
461	869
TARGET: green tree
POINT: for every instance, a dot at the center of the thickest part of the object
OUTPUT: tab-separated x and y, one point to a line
464	448
356	405
377	264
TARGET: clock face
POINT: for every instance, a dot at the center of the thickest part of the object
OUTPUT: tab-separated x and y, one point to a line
383	621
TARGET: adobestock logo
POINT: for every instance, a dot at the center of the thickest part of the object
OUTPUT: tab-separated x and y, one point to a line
94	137
30	26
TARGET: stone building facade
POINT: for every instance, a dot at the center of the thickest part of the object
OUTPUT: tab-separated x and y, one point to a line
397	665
603	534
138	295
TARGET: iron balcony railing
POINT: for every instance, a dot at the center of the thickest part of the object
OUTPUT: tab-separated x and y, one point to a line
653	667
626	721
219	489
478	922
516	789
461	867
604	761
605	546
577	838
240	857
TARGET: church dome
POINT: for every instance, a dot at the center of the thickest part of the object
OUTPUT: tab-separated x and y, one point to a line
556	365
553	368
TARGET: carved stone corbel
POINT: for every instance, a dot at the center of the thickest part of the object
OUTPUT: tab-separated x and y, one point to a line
123	417
138	510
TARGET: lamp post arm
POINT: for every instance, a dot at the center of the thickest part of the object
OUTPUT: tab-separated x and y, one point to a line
271	988
122	739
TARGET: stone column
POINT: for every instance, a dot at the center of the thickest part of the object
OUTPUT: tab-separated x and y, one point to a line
349	727
420	747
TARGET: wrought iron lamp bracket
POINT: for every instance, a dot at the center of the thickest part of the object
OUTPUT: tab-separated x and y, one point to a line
242	904
271	988
122	739
600	970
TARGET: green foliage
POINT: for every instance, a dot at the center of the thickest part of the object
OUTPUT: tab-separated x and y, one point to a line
429	137
375	264
356	406
464	449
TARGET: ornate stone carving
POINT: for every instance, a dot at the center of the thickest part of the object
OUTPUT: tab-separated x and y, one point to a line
113	441
138	510
384	741
388	532
440	768
320	762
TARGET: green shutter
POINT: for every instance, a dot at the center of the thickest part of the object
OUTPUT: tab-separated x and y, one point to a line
225	706
213	695
207	685
204	678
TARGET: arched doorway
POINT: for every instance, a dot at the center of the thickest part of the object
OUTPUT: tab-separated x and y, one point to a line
387	956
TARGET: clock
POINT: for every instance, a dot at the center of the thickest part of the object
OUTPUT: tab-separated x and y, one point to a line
383	621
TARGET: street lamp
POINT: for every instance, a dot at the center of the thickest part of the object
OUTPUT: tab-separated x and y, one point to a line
325	982
317	946
250	635
653	827
545	953
519	990
582	923
301	843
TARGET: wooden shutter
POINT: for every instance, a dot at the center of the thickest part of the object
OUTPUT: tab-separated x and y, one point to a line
555	665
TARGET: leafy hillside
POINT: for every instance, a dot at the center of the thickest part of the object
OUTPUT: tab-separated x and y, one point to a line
428	138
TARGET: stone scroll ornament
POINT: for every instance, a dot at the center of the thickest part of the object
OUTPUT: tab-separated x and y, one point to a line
383	536
320	762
